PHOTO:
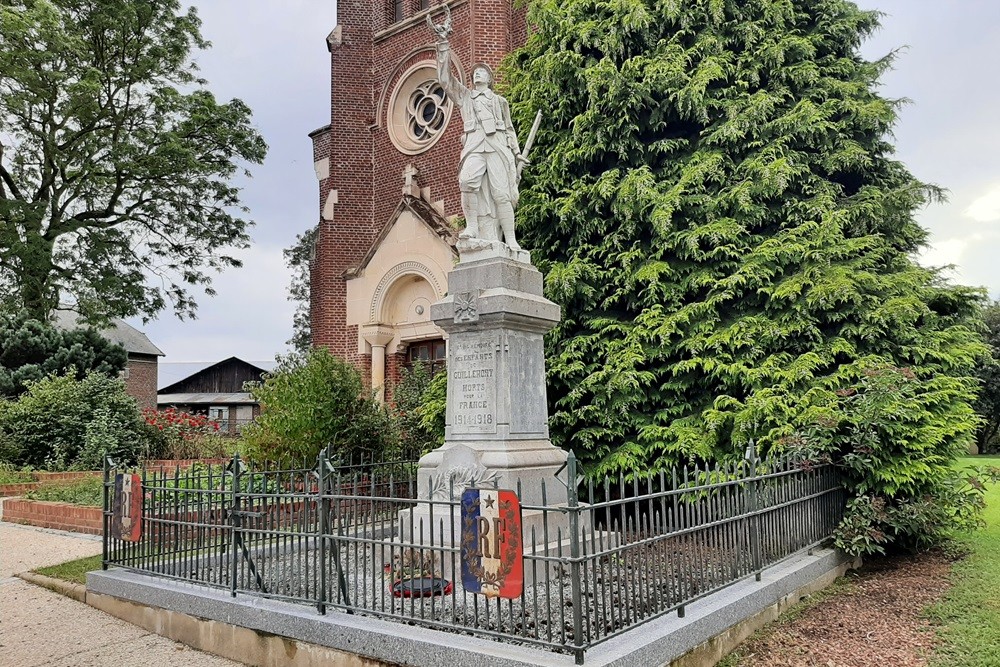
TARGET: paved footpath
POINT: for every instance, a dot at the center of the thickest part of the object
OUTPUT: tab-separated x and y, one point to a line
39	627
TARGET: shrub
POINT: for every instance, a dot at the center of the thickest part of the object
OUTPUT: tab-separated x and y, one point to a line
313	402
433	409
897	452
62	422
31	350
185	435
410	407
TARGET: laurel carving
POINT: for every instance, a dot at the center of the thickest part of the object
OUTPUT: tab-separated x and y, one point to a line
459	478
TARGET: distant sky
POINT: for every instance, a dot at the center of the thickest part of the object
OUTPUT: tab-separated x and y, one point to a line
273	56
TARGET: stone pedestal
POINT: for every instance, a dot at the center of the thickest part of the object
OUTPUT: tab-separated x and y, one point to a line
497	419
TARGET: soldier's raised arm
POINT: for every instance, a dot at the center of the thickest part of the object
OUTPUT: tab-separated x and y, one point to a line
454	88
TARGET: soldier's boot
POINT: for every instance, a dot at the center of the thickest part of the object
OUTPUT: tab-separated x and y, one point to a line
470	206
506	214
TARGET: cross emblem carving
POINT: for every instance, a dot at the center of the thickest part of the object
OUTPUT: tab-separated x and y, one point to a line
409	174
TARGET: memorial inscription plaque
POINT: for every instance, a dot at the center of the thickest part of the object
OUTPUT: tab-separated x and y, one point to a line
473	369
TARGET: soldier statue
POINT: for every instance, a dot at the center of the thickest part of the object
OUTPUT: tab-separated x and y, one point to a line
490	163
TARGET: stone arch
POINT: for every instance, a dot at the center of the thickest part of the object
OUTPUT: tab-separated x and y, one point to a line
380	304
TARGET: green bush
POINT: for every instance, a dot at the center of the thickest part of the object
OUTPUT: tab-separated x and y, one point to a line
897	452
62	422
31	350
86	491
313	402
412	403
433	409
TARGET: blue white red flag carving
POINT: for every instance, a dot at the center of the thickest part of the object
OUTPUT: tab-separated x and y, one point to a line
126	508
492	551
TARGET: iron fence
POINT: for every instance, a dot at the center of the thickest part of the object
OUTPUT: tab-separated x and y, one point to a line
600	557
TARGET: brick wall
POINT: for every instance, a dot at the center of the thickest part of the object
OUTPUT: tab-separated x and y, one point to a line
141	381
61	516
366	169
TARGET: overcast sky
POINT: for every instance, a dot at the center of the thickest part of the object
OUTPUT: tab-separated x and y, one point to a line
273	56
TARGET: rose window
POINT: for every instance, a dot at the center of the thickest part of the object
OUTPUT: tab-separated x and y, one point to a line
426	112
418	110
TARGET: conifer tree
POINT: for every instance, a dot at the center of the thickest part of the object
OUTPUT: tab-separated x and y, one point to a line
716	206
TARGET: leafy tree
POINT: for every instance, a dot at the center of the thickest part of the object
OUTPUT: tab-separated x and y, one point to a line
62	422
988	371
313	402
115	161
411	404
31	350
720	216
299	258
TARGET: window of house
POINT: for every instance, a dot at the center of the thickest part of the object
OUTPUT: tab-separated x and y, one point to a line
431	352
397	10
424	4
220	414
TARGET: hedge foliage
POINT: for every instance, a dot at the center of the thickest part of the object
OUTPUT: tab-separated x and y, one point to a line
314	401
716	207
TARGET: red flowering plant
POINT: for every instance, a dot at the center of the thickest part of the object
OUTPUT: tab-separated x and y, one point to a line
186	435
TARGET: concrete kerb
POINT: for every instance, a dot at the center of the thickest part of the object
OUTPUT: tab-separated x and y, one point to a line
72	590
208	619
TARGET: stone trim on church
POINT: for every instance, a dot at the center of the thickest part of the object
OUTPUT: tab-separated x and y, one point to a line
387	166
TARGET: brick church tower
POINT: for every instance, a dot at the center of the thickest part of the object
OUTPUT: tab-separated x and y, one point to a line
387	166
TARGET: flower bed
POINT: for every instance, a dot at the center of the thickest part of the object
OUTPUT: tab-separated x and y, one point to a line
40	479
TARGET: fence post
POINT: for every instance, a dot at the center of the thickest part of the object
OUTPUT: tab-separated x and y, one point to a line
573	505
105	513
234	523
755	506
322	506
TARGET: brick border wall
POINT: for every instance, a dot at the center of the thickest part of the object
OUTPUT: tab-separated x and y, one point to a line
46	514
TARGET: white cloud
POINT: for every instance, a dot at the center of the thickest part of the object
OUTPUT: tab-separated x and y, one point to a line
250	316
943	253
986	208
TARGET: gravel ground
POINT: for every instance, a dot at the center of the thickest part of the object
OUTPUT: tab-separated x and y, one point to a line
621	592
876	622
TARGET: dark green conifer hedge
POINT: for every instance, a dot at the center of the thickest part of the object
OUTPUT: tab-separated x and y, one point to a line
716	205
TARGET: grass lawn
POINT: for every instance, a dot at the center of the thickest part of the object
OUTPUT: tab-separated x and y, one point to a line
970	612
74	571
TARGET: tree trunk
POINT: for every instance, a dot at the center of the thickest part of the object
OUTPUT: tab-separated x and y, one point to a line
36	291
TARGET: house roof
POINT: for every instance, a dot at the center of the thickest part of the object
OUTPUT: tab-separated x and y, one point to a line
236	398
171	373
118	331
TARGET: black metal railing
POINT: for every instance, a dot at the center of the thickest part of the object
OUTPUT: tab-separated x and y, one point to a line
599	557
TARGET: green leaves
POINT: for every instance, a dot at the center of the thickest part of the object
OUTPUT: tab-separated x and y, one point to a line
63	422
116	165
716	209
31	350
315	401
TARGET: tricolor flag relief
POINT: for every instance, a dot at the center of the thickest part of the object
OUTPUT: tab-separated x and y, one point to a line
492	549
126	508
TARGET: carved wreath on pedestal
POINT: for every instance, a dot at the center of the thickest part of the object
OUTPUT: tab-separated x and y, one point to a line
461	477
